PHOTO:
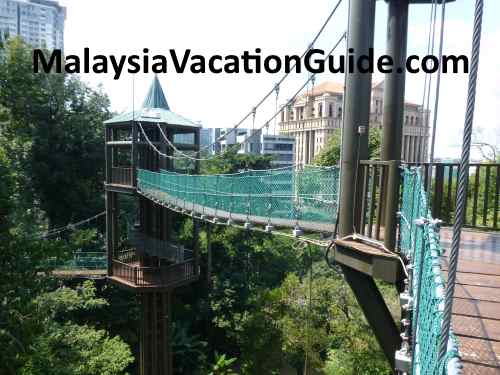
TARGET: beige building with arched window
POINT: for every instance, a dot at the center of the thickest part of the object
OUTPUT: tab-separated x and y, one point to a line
314	116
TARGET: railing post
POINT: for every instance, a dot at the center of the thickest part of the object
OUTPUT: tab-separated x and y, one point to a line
391	205
133	162
438	191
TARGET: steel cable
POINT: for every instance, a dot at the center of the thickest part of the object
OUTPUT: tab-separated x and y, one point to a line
462	180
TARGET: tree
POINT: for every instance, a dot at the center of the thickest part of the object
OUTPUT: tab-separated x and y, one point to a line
330	154
232	162
55	130
64	347
323	327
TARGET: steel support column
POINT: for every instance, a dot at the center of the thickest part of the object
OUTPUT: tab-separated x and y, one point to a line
357	109
394	94
155	325
375	310
394	83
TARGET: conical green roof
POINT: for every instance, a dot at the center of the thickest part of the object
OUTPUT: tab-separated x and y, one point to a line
154	109
156	97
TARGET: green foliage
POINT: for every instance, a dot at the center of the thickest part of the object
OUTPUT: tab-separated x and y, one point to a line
64	347
232	162
54	132
330	154
188	350
222	365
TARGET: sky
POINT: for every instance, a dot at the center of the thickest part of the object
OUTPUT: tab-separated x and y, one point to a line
277	27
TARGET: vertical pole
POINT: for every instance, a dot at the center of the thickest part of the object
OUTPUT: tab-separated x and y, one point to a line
394	93
209	257
107	153
109	231
394	84
392	200
196	247
170	365
357	108
164	333
134	153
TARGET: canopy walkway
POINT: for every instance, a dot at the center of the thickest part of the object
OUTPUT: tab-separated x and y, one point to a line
83	263
305	197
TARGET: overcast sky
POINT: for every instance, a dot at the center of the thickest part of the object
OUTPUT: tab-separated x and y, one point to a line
277	27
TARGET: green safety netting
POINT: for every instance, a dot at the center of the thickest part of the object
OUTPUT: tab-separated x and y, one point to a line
307	193
420	245
81	260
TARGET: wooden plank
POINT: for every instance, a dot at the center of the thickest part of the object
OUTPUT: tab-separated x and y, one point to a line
492	281
473	266
481	328
477	293
470	307
477	369
479	351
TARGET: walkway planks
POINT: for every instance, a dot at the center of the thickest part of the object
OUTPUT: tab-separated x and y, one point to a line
476	306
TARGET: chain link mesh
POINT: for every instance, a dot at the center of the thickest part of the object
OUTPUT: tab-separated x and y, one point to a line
421	246
307	193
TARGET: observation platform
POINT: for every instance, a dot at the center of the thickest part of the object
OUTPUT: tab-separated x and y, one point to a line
149	267
476	305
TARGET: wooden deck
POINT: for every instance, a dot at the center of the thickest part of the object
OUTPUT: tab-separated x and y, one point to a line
476	306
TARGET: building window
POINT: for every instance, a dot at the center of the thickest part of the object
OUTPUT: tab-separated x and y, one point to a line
406	120
330	110
282	116
320	110
339	112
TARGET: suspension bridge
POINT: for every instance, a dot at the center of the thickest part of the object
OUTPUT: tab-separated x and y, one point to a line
377	220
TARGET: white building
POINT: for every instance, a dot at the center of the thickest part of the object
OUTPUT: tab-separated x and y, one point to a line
280	147
40	23
316	115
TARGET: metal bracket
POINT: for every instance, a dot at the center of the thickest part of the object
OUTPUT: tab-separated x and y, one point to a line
297	232
403	361
406	301
269	228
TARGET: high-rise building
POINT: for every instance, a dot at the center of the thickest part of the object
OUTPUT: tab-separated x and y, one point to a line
215	140
208	140
39	23
280	147
316	115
